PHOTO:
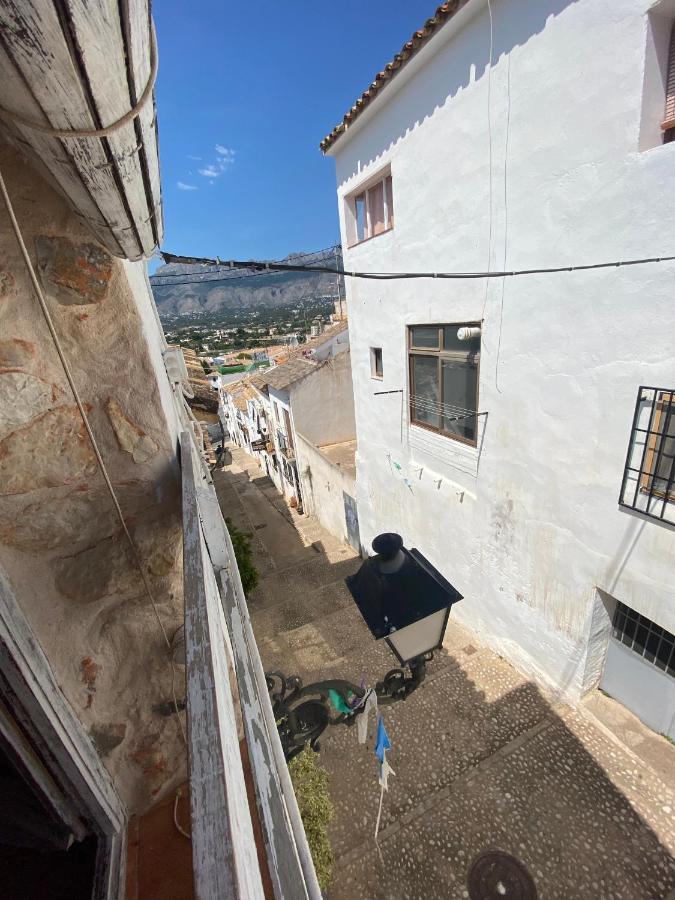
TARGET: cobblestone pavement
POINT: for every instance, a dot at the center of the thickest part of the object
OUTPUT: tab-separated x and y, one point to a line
484	759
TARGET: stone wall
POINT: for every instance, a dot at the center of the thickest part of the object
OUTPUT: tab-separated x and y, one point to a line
60	540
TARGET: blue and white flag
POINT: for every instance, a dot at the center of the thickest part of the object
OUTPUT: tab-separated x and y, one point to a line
382	744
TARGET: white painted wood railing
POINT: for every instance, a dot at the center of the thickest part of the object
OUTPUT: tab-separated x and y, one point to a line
226	684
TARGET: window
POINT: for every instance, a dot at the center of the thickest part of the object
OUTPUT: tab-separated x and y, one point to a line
443	364
668	124
371	211
657	476
653	643
376	362
649	475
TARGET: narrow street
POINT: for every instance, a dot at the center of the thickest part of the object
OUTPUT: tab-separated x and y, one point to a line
483	758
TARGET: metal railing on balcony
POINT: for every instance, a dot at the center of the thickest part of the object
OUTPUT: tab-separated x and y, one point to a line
224	675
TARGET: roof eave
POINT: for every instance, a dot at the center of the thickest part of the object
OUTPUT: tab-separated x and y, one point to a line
419	41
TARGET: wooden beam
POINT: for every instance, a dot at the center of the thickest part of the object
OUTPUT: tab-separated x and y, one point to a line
82	66
224	852
289	858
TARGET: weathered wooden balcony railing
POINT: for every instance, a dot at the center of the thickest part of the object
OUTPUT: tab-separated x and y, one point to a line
226	685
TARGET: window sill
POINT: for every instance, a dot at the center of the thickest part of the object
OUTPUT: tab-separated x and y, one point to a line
453	438
371	238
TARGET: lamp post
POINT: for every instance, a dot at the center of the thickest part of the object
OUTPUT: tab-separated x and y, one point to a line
404	600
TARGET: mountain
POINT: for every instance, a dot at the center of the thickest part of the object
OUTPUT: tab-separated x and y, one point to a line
217	288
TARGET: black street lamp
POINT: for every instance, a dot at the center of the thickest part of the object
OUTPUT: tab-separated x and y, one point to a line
403	600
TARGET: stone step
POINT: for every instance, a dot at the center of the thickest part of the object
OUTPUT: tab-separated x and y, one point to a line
299	580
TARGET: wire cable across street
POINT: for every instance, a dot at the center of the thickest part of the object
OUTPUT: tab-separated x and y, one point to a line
260	266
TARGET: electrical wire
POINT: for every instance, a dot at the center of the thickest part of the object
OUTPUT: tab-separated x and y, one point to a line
179	827
489	124
393	276
85	419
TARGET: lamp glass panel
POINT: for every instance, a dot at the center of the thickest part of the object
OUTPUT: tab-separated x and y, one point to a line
420	637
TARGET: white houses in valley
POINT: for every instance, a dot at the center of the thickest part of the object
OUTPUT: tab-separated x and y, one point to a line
519	430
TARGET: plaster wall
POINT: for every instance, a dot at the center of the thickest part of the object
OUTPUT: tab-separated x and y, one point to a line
323	403
323	485
527	524
281	399
60	541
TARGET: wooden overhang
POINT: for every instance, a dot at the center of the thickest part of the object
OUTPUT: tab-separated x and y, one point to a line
78	101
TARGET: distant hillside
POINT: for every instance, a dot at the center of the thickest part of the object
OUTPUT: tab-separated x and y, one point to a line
220	288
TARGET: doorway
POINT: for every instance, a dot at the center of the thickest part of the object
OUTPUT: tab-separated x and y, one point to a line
40	857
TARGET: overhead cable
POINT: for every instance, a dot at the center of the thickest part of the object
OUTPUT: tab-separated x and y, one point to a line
394	276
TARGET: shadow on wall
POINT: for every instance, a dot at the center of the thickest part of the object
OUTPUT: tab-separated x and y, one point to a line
460	64
482	758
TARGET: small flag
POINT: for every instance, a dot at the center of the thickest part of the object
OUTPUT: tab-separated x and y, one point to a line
382	744
382	741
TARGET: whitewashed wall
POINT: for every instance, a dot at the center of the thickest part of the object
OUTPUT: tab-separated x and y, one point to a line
526	526
323	403
323	484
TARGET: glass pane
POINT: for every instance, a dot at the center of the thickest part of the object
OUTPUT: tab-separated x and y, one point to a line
629	631
390	201
460	381
640	638
664	652
360	209
424	336
452	342
425	392
376	208
652	646
378	361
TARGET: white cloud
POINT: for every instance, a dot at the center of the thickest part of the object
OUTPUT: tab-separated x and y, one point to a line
198	158
186	187
224	151
210	172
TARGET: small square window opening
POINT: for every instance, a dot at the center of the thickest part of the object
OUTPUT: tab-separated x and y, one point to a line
376	370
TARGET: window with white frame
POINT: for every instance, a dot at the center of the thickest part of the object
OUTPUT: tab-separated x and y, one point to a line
443	370
370	210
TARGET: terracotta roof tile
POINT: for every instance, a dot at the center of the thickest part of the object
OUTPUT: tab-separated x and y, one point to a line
283	376
418	39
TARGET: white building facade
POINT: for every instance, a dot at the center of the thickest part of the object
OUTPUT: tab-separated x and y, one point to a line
527	135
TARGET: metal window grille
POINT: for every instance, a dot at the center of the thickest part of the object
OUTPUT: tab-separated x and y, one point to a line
648	484
653	643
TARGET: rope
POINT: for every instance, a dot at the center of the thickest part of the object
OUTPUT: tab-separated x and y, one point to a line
179	827
85	419
97	132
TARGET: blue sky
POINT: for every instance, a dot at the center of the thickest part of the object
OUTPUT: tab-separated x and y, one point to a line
245	93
